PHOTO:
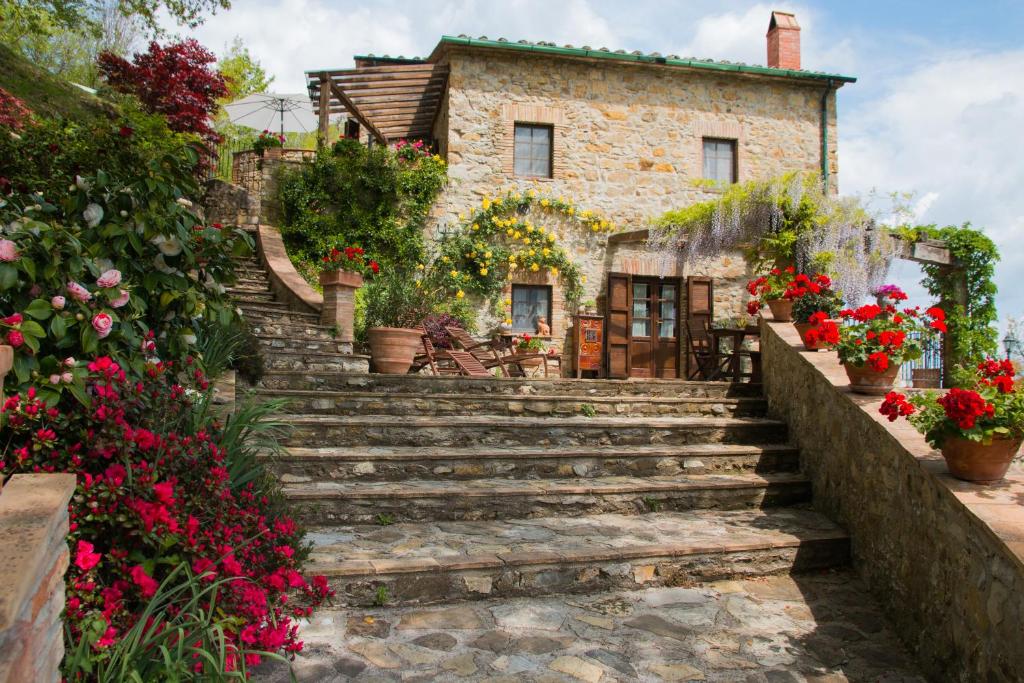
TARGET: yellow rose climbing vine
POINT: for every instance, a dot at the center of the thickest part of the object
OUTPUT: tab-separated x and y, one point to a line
514	232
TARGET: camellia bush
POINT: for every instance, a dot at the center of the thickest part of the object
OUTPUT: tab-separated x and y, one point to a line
105	261
155	490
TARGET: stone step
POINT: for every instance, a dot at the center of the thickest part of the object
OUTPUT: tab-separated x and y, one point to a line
515	386
422	563
247	289
310	343
266	308
257	298
486	430
274	328
252	281
368	402
419	500
311	361
397	464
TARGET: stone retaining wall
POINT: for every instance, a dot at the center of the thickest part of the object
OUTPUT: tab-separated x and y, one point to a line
33	527
259	174
946	558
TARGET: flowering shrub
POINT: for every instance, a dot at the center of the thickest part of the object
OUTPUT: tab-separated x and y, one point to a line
174	80
154	490
824	301
785	284
13	112
93	264
266	140
411	151
528	344
352	259
436	326
990	407
882	337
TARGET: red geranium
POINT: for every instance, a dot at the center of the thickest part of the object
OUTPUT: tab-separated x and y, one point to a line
965	407
896	406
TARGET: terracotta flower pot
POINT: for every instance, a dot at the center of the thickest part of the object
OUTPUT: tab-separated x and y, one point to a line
782	309
977	462
392	349
341	278
866	380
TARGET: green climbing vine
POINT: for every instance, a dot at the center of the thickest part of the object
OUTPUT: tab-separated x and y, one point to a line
972	332
515	231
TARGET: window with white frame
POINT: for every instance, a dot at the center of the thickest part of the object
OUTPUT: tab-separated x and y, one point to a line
532	153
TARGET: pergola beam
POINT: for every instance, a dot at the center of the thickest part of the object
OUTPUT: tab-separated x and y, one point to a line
356	114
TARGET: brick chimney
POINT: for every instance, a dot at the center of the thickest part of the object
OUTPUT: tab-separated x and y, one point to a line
783	41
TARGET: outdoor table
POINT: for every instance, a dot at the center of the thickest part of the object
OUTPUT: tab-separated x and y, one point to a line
737	334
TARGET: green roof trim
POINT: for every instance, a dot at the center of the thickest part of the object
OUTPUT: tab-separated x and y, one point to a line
653	59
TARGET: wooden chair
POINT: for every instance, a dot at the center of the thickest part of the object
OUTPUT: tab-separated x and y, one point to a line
440	362
711	363
468	364
486	352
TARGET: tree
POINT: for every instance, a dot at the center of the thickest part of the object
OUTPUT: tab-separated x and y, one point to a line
46	15
243	73
175	81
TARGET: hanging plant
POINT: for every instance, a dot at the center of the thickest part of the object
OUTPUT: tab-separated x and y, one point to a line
788	220
514	232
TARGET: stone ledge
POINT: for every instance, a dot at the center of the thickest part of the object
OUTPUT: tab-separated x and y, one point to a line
33	517
946	557
285	281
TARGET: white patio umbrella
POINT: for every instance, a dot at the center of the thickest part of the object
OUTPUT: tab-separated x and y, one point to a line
276	112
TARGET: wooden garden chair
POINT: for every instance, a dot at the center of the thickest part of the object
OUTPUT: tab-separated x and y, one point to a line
711	363
468	364
486	352
440	362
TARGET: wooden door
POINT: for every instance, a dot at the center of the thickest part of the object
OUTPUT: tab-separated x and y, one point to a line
667	328
654	328
700	306
618	308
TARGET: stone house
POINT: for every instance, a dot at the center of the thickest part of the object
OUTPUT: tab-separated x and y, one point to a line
627	135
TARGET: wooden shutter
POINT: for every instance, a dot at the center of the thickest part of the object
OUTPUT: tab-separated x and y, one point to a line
700	306
620	295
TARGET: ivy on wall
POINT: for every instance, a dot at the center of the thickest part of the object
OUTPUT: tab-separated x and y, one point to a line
972	332
514	232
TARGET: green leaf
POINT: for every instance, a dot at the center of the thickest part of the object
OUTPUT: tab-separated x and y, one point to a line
8	276
23	367
90	342
32	343
40	309
78	391
29	266
31	328
58	328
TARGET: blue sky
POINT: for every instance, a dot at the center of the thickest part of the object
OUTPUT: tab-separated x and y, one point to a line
937	110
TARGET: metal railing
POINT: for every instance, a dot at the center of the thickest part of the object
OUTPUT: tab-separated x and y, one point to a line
931	358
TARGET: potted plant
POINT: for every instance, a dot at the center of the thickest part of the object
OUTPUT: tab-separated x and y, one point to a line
813	308
396	305
780	288
978	429
267	140
527	344
879	339
341	275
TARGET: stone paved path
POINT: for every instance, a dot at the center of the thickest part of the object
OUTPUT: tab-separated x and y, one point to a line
818	628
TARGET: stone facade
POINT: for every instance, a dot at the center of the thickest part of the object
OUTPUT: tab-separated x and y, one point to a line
258	174
945	557
33	527
627	143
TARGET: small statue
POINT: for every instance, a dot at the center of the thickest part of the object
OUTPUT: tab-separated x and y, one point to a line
543	329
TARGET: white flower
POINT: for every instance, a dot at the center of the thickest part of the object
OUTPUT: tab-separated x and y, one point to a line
168	246
93	214
162	266
82	184
184	202
189	338
123	213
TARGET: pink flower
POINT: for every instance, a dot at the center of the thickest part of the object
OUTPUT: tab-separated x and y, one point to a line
102	323
69	362
147	585
108	638
85	558
15	338
78	292
8	251
58	302
111	278
54	379
121	299
67	378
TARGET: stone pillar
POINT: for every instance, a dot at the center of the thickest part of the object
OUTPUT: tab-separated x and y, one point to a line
33	529
338	310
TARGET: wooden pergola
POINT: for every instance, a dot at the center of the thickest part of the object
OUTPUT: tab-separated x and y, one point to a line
391	102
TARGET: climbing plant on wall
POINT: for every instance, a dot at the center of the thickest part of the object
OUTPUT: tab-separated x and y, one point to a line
972	332
514	232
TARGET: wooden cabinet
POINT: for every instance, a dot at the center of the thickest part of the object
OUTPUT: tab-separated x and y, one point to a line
589	344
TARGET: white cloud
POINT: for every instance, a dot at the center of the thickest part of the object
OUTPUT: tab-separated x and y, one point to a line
948	131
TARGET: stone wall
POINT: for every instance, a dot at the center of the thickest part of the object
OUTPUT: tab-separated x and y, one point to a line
259	174
946	558
33	527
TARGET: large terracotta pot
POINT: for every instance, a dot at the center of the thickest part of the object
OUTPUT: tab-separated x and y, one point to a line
341	278
979	463
802	329
866	380
392	349
782	309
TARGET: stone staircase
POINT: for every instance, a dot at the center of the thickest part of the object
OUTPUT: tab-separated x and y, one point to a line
291	340
421	490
